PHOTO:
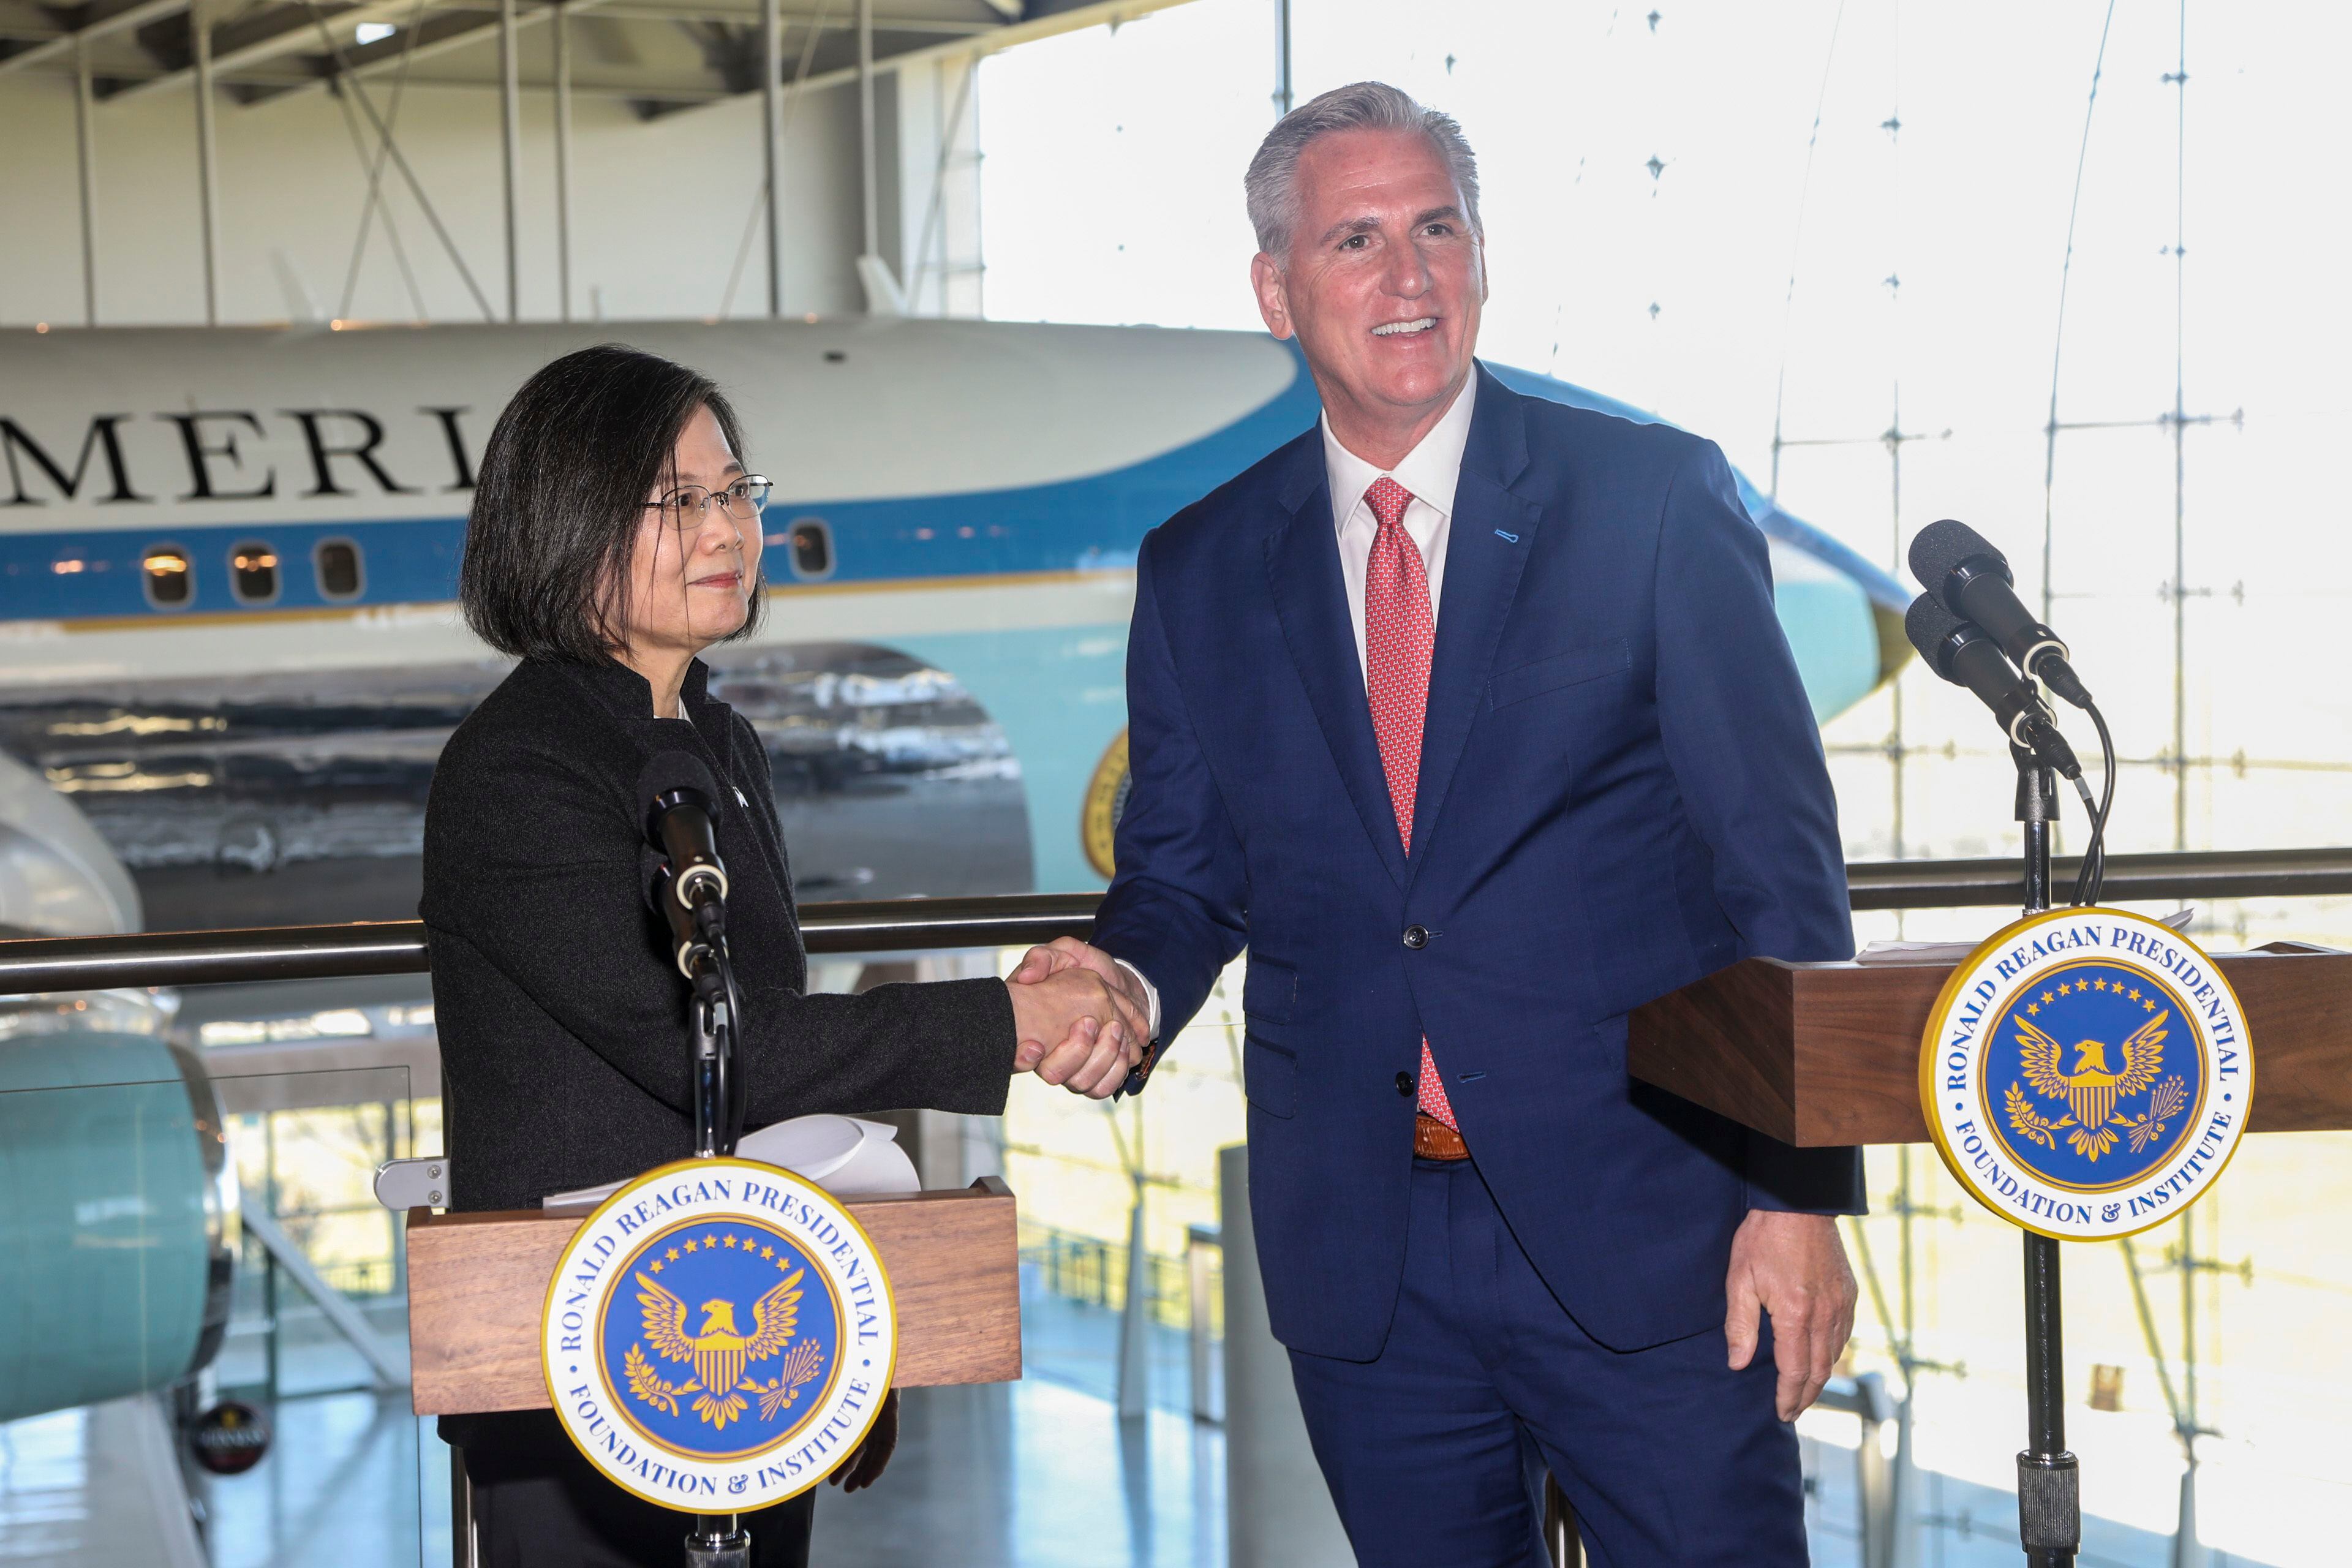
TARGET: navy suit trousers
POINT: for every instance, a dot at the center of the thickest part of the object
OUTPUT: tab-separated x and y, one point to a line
1668	1457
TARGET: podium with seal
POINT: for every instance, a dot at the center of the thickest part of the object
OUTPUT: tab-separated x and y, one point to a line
2101	1111
1821	1055
792	1345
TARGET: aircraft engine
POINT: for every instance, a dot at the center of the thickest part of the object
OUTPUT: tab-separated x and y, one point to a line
117	1203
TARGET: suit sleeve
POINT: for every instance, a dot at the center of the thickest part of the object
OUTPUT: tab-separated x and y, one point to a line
517	835
1746	758
1177	909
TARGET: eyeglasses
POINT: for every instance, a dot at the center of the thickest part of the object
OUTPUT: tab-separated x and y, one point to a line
686	508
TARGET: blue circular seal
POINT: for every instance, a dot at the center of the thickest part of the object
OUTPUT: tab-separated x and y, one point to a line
2086	1073
723	1340
2077	1084
718	1336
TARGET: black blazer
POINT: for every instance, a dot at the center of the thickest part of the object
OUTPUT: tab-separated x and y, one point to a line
563	1020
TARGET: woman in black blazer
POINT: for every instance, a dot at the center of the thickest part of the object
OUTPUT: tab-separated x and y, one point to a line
614	536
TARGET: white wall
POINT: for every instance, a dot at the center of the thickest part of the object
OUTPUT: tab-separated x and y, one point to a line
660	208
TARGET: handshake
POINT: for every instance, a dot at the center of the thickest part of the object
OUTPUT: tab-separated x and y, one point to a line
1081	1020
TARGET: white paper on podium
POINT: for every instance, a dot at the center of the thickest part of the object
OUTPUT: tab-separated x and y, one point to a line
1954	952
847	1156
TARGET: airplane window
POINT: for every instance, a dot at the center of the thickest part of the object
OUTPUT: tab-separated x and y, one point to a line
812	547
338	561
253	572
169	586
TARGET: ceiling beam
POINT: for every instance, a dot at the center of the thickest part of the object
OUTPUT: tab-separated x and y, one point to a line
1074	19
297	31
137	15
679	93
379	57
955	37
833	20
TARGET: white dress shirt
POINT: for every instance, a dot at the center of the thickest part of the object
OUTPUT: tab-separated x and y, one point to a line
1430	473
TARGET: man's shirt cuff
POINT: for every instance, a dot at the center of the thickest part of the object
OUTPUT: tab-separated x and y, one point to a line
1150	992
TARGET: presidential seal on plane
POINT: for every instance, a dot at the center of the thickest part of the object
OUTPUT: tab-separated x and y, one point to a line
2086	1073
718	1336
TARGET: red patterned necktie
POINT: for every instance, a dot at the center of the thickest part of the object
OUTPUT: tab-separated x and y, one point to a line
1400	634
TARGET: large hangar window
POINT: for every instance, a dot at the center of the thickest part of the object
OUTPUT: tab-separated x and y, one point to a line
338	561
253	572
164	572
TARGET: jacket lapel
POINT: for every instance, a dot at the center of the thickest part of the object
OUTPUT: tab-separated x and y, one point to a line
1482	579
1302	563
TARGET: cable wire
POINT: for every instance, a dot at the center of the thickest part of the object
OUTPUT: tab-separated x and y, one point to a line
2058	345
2093	873
738	1093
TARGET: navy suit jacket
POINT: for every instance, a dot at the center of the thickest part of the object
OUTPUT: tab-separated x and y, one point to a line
1622	790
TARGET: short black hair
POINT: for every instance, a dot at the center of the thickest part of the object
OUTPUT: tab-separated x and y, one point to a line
561	494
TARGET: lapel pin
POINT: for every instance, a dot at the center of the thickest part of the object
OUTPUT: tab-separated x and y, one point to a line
1507	538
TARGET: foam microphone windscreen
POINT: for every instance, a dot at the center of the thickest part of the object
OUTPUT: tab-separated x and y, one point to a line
1940	546
1928	623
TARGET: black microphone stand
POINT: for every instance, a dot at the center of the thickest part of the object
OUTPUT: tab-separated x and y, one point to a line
717	1540
712	1013
2049	1497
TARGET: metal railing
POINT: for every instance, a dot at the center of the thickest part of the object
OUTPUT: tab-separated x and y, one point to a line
2130	879
1095	1272
397	947
925	925
1178	1291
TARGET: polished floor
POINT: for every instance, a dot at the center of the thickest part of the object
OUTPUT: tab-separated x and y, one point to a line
1041	1474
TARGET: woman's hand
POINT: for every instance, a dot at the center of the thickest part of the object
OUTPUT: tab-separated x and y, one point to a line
866	1466
1060	1024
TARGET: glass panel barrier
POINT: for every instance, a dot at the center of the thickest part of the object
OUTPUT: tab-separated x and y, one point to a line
131	1167
187	1266
2218	1324
2224	1323
1076	1165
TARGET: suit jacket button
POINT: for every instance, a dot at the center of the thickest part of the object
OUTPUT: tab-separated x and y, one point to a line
1404	1084
1417	936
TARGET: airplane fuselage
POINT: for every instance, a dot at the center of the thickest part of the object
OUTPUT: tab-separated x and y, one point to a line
227	560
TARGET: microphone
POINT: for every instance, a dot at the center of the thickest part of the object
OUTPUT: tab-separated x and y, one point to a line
1962	571
682	822
1964	654
687	881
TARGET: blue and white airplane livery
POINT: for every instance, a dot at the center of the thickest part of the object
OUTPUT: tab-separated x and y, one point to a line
227	557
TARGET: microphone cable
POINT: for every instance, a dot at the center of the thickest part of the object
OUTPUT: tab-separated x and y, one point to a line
722	1014
736	1098
2091	877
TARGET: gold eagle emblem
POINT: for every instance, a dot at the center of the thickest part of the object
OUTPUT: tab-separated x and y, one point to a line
2092	1090
720	1353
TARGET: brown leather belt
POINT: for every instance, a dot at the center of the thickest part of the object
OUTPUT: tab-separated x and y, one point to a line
1432	1140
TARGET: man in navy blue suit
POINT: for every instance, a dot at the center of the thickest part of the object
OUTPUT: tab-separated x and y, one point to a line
1469	715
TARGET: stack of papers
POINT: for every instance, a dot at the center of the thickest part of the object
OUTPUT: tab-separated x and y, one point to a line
844	1155
1953	952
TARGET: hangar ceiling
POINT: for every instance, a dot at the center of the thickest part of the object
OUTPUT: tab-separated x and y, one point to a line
660	55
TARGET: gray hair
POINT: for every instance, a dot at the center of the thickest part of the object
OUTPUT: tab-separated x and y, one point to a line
1271	183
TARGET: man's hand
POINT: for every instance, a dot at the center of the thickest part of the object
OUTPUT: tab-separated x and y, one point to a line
866	1466
1068	952
1792	1266
1059	1022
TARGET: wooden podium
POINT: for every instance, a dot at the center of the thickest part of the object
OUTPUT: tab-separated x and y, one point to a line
1821	1053
476	1282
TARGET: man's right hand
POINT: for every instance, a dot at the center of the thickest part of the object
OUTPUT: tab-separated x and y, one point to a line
1068	952
1073	1030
